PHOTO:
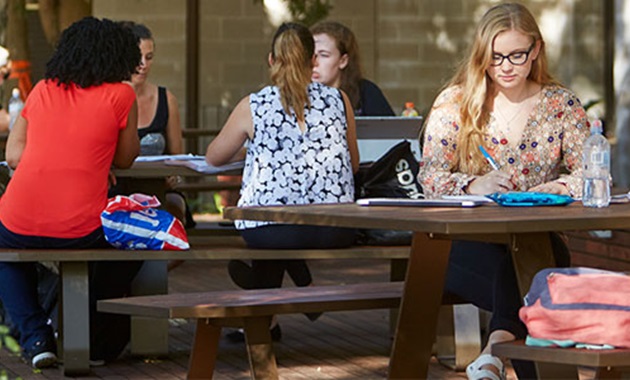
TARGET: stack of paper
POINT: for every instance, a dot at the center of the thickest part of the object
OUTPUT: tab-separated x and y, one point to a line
201	166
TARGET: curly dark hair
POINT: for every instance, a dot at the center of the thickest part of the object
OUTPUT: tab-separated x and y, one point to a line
91	52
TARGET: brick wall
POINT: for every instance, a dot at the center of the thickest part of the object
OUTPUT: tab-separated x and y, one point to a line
589	250
409	47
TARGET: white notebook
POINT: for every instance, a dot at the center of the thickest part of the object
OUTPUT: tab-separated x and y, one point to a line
419	202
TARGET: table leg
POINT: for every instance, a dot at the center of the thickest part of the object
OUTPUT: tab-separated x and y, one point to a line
419	307
531	252
75	318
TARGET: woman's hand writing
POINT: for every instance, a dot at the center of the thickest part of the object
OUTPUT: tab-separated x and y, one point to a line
551	188
492	182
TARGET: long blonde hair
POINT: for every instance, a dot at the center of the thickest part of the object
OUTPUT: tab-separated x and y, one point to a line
292	53
474	82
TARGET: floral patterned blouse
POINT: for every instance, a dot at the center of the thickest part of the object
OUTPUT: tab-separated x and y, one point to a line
285	166
552	139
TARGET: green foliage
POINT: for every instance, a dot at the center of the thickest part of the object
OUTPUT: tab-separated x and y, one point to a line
12	345
8	341
307	12
591	103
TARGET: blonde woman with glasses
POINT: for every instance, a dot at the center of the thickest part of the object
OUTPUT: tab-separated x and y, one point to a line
504	100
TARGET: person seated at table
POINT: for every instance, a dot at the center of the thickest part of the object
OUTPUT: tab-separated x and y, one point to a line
503	98
338	65
302	149
75	124
159	124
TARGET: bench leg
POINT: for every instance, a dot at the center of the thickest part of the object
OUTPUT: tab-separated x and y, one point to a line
149	336
203	355
75	318
458	340
612	373
262	360
556	371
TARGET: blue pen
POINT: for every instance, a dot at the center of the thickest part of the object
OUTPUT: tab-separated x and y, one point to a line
489	158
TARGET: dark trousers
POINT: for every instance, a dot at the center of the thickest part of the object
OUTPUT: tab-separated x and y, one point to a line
109	333
269	273
483	274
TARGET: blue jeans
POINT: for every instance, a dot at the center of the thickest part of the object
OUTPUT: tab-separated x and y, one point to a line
483	274
18	284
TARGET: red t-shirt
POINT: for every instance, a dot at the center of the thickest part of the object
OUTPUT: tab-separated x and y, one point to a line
60	185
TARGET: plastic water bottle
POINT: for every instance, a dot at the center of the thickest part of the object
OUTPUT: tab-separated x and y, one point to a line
596	153
410	110
15	106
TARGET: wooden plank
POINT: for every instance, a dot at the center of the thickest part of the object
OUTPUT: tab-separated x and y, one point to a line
259	302
209	248
490	219
575	356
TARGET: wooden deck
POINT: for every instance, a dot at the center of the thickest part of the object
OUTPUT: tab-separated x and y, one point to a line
340	345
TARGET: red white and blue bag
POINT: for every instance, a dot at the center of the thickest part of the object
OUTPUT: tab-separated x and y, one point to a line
134	222
583	305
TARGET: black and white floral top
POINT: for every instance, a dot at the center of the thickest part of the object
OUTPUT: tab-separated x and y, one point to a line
285	166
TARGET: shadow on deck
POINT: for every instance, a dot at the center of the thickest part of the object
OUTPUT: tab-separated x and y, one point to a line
340	345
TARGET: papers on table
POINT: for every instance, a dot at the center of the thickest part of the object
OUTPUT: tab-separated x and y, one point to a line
194	162
445	201
620	198
202	166
417	202
169	157
473	198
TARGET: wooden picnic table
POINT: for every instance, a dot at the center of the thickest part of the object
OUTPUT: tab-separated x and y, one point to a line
524	229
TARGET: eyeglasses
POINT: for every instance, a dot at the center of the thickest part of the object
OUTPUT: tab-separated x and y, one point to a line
517	58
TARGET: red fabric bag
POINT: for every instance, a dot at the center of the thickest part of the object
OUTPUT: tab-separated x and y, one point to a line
580	304
134	222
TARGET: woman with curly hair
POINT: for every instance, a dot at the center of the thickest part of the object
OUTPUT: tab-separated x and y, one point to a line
76	123
504	99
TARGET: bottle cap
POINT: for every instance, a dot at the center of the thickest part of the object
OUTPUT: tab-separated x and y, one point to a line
597	126
409	105
15	92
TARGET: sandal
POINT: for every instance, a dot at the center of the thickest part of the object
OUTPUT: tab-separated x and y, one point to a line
475	372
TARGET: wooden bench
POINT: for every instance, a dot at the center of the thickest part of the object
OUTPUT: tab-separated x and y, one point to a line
562	363
150	337
252	310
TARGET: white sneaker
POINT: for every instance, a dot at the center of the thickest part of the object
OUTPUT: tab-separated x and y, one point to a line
475	372
44	360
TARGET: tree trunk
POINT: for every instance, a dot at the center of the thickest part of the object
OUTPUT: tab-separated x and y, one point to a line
16	41
17	31
49	20
56	16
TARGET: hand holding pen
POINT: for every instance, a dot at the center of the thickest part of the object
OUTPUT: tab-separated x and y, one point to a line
492	182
